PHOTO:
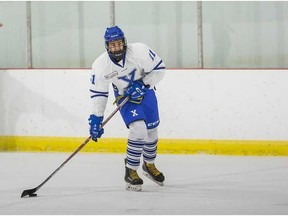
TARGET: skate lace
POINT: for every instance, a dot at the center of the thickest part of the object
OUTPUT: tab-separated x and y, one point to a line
134	175
152	169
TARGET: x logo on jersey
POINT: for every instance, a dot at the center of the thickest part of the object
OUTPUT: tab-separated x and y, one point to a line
134	113
129	77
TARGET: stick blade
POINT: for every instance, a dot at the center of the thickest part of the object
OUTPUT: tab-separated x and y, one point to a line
29	192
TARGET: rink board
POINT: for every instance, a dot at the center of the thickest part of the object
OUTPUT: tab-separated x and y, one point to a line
165	146
209	111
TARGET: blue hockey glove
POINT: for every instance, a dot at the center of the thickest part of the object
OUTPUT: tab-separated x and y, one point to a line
95	123
136	90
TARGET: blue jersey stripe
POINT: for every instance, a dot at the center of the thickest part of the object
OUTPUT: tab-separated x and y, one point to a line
93	91
99	95
157	66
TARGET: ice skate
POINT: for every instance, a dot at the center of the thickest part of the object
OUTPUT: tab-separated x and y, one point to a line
151	172
133	181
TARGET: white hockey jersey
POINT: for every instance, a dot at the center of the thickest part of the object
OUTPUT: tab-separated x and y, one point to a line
140	62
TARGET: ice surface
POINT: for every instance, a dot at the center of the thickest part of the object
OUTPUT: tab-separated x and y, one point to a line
94	184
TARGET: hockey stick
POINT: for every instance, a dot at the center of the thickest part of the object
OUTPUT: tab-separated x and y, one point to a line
31	192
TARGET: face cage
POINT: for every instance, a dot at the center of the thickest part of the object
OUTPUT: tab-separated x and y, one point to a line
123	40
117	55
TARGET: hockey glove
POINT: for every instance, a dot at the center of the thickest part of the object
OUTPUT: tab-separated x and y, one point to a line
95	123
136	90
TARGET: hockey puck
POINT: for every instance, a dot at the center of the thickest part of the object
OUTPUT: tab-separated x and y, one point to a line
32	195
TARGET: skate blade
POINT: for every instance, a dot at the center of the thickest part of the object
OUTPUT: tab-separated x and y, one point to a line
151	178
131	187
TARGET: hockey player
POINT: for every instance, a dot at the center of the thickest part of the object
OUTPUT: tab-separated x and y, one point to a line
134	70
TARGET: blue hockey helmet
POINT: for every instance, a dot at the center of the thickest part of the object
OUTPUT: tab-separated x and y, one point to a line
112	34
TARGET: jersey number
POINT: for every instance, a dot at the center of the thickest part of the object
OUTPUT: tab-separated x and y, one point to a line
93	79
